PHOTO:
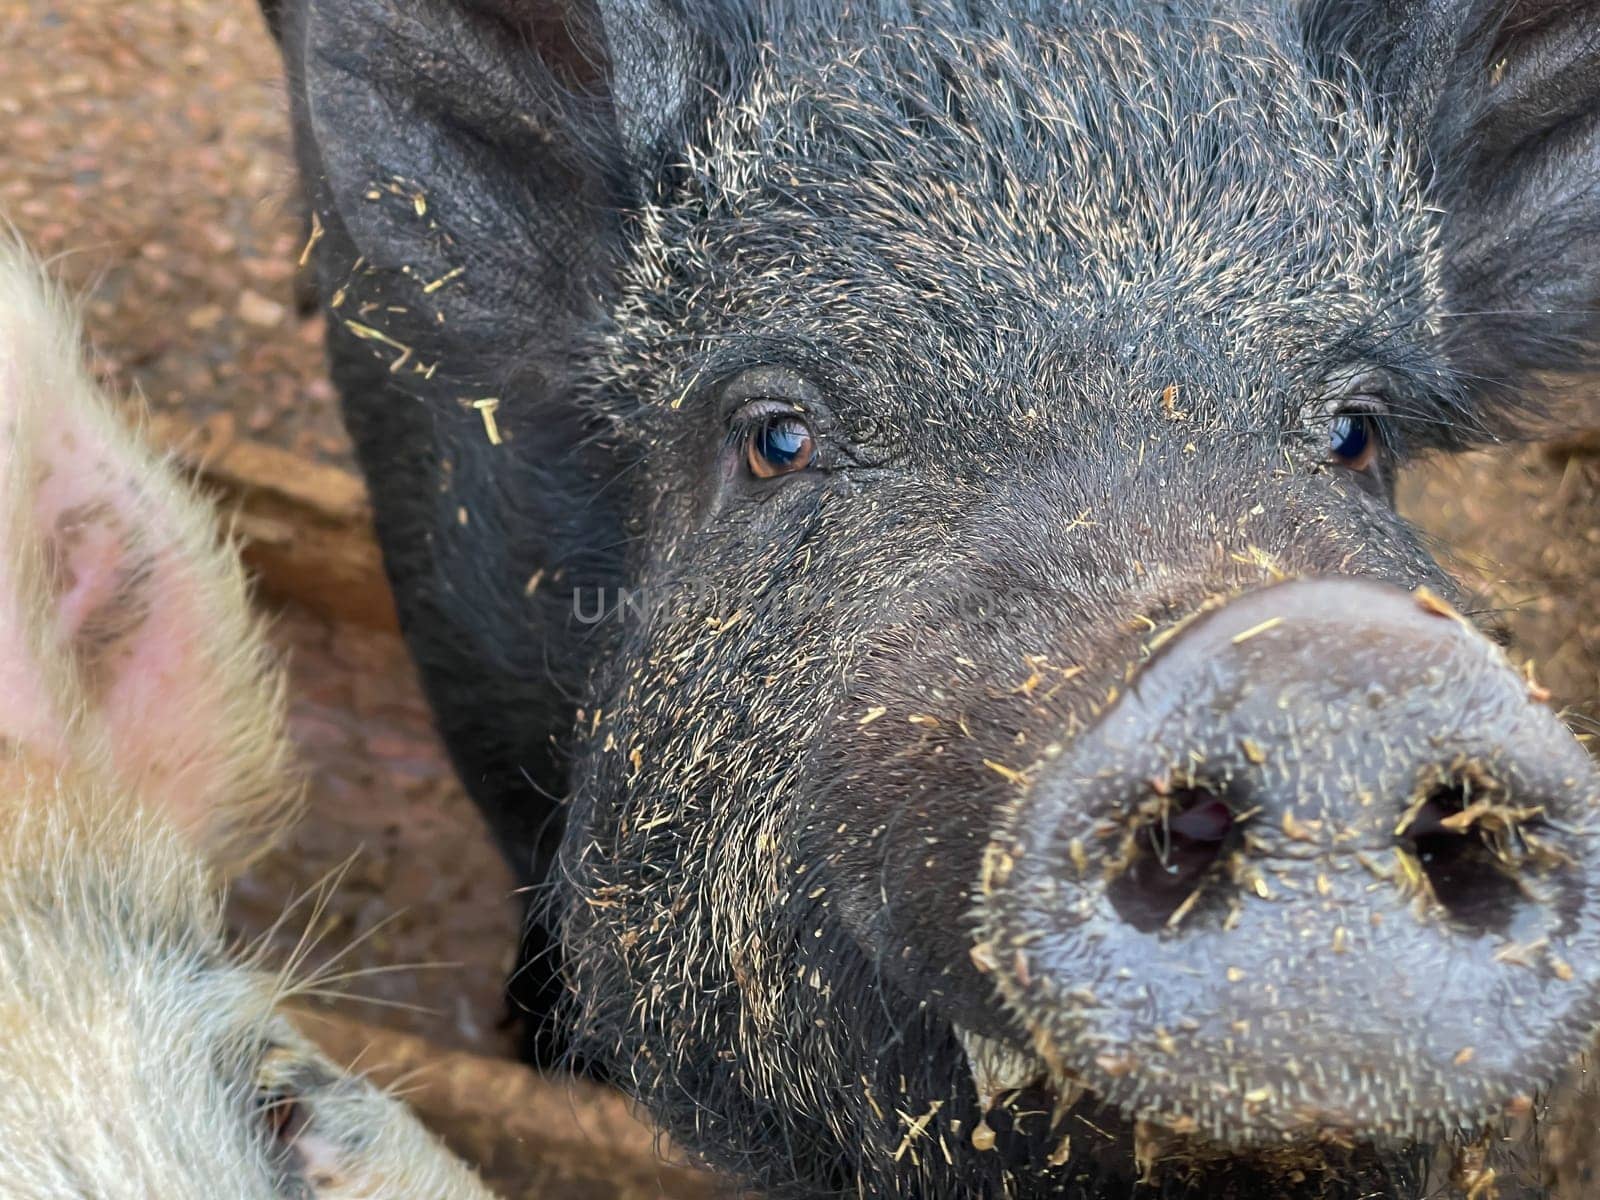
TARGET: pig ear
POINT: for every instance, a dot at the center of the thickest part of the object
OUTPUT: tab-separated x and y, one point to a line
474	167
125	641
476	157
1501	101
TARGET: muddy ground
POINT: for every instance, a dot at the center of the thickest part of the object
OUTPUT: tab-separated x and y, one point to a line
143	145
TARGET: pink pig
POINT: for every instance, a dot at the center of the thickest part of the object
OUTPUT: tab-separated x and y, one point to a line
142	762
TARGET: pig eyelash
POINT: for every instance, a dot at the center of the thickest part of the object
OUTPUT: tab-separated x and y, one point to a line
283	1120
282	1114
278	1106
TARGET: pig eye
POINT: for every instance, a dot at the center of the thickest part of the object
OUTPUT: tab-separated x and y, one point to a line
283	1116
1352	440
777	443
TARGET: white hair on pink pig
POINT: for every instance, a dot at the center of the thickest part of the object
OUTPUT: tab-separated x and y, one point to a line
143	761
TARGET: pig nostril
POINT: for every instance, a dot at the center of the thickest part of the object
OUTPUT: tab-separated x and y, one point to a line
1171	855
1468	853
1202	818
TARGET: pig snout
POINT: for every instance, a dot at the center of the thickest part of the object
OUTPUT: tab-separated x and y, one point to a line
1326	868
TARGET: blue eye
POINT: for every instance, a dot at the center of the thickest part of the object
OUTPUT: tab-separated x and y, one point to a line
780	445
1351	440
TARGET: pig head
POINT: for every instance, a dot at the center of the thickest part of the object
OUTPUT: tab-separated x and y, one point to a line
1022	751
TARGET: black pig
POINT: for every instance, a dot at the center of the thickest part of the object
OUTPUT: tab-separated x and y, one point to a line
1027	754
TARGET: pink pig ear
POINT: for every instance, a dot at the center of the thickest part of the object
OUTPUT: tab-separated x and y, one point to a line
126	640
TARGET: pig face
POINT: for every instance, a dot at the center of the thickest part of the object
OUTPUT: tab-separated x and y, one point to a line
142	757
1040	757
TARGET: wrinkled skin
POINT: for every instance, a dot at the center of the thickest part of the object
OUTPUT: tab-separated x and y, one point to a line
1071	306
